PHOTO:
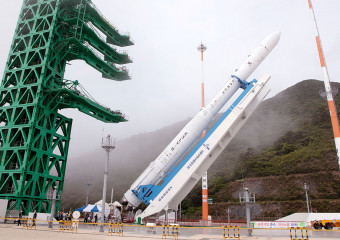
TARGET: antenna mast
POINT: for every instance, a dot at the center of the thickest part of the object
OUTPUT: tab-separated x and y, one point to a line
328	89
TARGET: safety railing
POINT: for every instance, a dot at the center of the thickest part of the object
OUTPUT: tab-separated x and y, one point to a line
298	233
71	226
29	223
116	228
170	231
231	232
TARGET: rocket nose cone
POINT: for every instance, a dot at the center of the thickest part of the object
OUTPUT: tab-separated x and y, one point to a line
276	36
271	40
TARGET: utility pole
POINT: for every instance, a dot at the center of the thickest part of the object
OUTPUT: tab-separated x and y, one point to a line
306	188
108	144
205	208
248	199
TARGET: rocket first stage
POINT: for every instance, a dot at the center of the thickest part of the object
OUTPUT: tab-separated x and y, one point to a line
170	156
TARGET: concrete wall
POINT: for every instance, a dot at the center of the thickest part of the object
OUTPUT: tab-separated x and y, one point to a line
3	209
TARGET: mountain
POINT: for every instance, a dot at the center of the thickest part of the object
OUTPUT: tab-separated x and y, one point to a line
287	141
275	171
127	162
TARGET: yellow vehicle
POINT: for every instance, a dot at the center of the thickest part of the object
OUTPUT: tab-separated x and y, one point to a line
327	224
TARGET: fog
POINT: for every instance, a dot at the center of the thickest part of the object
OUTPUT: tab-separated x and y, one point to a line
166	72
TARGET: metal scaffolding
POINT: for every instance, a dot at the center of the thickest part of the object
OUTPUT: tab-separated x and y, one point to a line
34	137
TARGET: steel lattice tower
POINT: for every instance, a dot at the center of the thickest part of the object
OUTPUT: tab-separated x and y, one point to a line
34	137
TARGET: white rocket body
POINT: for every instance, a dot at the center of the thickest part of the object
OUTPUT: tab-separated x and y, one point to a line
193	130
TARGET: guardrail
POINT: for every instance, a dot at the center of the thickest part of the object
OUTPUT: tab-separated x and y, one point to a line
296	233
116	228
68	226
29	223
170	231
233	234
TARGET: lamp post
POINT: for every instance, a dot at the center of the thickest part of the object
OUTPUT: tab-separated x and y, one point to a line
108	144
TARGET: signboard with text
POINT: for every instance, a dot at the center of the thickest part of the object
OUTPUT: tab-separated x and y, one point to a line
279	224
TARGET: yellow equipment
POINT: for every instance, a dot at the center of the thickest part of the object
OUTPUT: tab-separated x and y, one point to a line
327	224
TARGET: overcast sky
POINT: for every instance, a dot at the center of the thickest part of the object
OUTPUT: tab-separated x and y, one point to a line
166	72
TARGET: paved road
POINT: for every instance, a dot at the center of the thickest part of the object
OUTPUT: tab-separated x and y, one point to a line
12	232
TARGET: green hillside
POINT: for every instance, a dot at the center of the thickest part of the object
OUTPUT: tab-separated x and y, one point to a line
276	173
287	141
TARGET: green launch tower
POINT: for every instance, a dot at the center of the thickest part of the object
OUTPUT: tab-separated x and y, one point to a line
34	137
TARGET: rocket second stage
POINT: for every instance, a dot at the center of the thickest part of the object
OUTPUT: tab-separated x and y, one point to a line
193	130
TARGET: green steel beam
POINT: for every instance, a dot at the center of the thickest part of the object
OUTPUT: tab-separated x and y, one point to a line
93	14
34	137
90	36
108	69
113	36
67	98
110	53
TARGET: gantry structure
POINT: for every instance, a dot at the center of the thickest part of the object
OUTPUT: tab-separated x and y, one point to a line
34	137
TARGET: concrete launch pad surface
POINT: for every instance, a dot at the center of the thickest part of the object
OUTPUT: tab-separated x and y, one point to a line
12	232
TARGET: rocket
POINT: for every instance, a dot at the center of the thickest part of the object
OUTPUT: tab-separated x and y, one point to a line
178	147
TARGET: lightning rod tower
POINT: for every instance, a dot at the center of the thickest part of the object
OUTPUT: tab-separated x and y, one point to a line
329	91
205	208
